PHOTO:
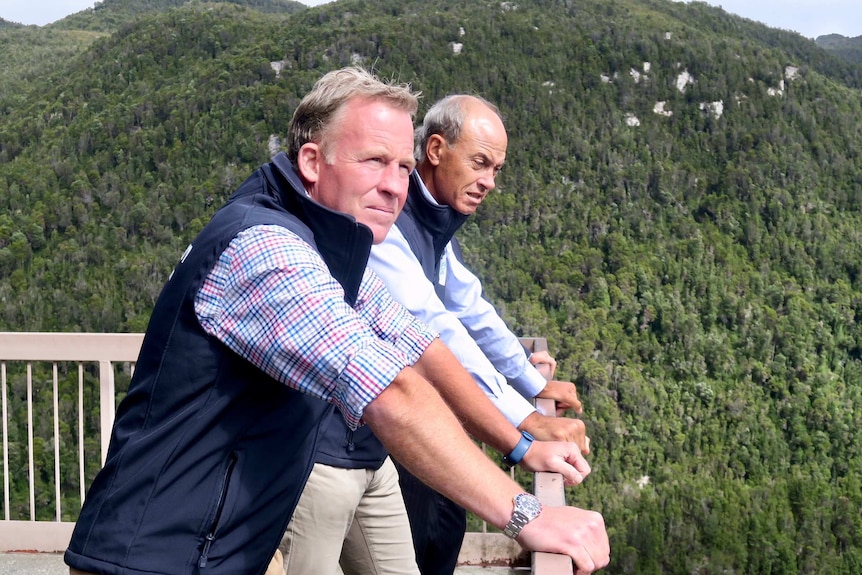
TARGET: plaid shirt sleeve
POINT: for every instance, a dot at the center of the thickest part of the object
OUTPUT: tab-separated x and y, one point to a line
390	321
271	299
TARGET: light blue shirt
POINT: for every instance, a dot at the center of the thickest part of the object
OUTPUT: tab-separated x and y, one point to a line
467	322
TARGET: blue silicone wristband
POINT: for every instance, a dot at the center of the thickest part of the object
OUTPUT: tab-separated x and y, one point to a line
520	450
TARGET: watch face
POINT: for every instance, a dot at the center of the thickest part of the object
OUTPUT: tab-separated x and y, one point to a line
528	504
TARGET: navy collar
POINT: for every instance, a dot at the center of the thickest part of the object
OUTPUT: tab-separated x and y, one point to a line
344	243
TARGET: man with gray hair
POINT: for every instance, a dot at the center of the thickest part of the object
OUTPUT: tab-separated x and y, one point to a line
460	148
268	319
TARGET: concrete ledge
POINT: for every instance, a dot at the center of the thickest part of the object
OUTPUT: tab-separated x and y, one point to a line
39	536
491	549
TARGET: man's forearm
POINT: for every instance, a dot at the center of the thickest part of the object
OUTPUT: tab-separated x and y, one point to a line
477	413
419	430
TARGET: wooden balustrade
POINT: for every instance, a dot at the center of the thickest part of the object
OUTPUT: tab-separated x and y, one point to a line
47	362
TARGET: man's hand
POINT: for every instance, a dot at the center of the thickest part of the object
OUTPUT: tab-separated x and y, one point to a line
557	457
543	358
564	393
546	428
578	533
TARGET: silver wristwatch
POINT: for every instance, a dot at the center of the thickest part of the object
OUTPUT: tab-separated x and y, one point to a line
527	508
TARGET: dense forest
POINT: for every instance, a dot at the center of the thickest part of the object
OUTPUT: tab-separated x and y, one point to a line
680	215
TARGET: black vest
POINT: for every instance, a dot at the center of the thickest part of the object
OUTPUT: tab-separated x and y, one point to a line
209	455
428	227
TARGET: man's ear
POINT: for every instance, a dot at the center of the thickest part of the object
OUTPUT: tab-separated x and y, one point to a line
308	162
434	148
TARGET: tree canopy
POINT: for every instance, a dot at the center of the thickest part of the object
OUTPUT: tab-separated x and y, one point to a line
679	214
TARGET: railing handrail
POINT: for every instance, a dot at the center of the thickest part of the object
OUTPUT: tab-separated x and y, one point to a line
57	346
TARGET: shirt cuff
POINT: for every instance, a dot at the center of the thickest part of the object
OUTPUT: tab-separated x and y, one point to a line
415	339
514	407
530	383
365	377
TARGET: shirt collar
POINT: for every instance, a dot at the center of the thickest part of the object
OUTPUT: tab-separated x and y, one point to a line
424	189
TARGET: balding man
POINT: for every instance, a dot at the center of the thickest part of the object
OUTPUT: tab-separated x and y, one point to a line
460	149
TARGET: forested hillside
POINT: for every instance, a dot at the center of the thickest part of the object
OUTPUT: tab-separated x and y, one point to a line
849	49
680	214
109	15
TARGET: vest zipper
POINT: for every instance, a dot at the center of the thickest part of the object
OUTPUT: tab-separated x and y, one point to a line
222	496
351	446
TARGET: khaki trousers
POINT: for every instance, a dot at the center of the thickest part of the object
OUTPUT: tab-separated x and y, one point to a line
354	519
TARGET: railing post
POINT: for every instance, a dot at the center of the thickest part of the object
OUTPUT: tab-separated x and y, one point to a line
548	487
31	479
550	490
56	389
5	444
83	486
107	404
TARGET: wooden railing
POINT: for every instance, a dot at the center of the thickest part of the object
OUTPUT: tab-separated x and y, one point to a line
95	356
78	370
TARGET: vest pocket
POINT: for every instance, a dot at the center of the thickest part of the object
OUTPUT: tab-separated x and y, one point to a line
222	496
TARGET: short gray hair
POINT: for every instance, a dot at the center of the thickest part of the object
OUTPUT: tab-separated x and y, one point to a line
446	118
319	109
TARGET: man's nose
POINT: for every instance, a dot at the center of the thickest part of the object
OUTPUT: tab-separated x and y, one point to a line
394	181
488	180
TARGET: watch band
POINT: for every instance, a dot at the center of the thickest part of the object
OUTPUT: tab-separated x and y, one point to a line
515	524
527	508
517	454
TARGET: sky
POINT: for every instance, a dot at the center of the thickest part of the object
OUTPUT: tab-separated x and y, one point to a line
811	18
41	12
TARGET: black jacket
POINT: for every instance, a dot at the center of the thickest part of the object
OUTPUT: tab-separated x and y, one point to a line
208	455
